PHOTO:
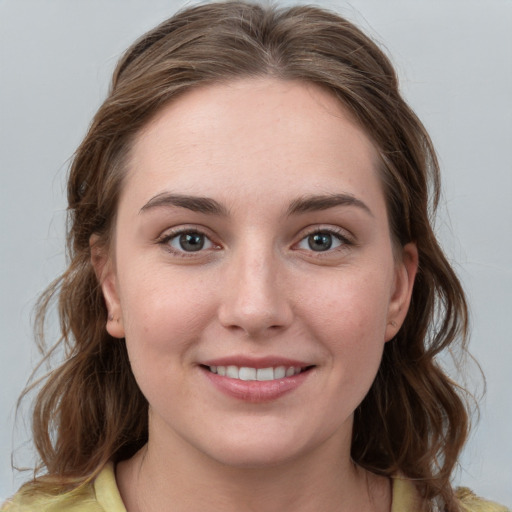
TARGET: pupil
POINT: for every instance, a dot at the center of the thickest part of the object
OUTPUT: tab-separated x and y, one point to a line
191	241
320	241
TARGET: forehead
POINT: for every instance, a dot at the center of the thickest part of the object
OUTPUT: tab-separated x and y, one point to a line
234	136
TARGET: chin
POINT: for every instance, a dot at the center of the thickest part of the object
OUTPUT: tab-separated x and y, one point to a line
253	450
255	457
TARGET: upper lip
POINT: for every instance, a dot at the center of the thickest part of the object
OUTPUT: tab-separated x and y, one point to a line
256	362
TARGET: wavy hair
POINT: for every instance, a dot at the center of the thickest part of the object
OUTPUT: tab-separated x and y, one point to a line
89	410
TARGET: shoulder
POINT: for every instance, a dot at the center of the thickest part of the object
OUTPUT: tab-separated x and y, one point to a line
27	500
470	502
100	495
406	497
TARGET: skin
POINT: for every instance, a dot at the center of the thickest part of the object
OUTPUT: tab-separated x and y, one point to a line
257	288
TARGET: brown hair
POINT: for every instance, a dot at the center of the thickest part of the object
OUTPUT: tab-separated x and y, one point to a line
90	410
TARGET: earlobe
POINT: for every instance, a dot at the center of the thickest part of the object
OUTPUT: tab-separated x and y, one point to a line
105	273
405	275
115	325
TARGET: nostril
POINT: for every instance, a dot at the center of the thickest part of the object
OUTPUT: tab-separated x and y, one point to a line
255	310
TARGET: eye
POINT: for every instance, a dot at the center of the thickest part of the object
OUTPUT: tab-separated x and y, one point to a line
322	240
187	241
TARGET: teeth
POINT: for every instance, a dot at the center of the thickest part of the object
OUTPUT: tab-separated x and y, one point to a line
247	373
263	374
232	372
279	372
260	374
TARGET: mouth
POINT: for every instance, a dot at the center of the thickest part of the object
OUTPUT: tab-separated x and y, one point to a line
256	379
247	373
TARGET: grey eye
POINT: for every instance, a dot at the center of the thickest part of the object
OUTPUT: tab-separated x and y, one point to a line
190	242
320	241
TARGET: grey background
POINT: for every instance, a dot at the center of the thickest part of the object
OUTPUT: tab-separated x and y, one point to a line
454	58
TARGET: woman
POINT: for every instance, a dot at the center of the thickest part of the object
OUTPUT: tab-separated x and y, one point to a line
255	297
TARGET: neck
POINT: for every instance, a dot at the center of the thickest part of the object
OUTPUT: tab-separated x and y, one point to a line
163	480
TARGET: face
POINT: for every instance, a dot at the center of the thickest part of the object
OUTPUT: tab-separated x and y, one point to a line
252	274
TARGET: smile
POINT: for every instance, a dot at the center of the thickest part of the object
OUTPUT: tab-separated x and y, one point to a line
259	374
255	385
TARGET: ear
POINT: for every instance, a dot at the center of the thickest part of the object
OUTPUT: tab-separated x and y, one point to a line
405	273
104	269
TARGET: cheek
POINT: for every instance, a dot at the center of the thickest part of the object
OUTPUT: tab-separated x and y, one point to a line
163	312
350	319
351	303
164	319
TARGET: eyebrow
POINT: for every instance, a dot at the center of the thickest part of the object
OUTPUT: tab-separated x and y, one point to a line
193	203
312	203
304	204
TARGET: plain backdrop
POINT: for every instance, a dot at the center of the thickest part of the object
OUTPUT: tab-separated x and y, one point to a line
454	58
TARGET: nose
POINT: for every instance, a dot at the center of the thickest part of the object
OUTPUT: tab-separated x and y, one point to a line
256	300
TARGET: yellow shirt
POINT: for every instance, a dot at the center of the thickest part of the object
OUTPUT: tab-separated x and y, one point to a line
102	495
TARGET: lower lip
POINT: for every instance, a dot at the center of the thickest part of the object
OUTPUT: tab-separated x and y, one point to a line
256	391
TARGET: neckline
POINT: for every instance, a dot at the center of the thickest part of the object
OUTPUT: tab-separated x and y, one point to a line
403	493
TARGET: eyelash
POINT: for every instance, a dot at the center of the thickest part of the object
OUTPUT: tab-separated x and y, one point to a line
339	234
170	236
